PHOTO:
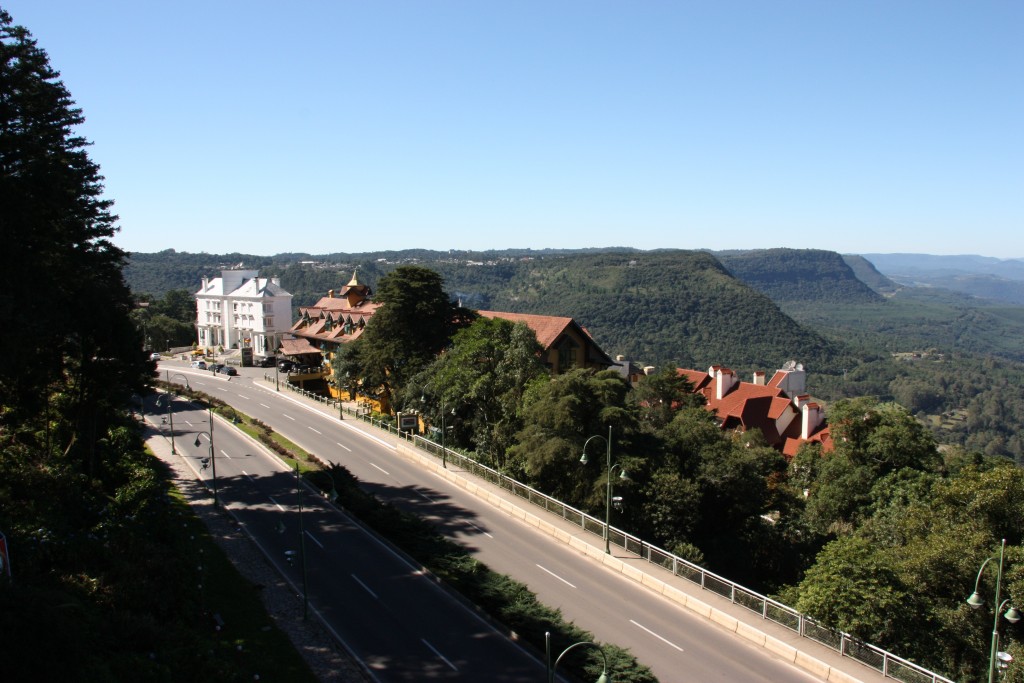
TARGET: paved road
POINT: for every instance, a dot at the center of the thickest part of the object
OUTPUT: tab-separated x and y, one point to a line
677	645
396	620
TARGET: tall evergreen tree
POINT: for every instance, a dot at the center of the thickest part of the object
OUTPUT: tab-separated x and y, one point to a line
63	289
414	324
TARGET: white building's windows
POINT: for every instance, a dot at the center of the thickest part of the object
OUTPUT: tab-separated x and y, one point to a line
268	323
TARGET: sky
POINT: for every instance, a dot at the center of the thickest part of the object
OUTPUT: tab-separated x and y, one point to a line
325	126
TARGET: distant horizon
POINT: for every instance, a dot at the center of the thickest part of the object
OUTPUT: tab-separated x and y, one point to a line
868	127
575	249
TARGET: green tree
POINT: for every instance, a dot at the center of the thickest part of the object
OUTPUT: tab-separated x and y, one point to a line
559	416
414	323
480	382
63	280
661	395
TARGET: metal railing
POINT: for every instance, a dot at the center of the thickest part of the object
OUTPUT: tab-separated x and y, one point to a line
846	645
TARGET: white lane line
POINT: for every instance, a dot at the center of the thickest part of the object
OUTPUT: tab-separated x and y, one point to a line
188	423
381	469
555	575
265	406
315	541
365	587
440	656
343	446
276	503
479	529
314	430
247	476
289	417
224	453
245	397
425	496
667	642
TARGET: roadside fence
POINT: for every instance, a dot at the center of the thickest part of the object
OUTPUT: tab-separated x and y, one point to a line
846	645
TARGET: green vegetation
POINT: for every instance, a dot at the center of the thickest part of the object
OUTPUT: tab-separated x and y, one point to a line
112	578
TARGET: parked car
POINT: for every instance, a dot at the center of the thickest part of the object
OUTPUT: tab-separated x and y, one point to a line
285	366
215	367
200	364
227	370
267	362
154	356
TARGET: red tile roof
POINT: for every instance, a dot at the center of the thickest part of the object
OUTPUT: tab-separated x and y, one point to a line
755	406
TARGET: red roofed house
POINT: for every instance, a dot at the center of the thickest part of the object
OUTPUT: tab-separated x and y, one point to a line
779	408
566	344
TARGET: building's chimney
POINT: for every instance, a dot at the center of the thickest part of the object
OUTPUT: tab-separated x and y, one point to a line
648	369
619	358
812	415
206	283
759	378
276	281
724	380
330	293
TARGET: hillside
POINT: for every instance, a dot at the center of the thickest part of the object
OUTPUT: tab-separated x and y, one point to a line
982	277
869	275
798	275
679	307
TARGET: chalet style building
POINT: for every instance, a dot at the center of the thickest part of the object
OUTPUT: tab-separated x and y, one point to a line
566	345
241	310
341	316
322	328
778	408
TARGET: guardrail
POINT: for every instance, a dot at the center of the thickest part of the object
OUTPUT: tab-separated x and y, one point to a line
768	609
846	645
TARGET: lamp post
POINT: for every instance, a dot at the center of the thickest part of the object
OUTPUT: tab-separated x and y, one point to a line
302	545
444	451
333	495
170	412
170	417
277	374
603	678
608	486
212	460
1011	615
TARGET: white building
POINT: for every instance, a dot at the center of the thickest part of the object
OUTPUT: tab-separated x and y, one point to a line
240	309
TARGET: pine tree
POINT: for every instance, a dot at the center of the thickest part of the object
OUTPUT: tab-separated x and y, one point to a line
64	303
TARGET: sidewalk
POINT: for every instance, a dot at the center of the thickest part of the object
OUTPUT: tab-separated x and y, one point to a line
785	644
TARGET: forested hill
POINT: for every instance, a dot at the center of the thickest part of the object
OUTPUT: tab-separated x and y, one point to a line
869	275
807	275
679	307
654	307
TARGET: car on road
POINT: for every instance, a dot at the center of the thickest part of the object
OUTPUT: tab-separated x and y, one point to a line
227	370
154	356
267	362
214	367
285	366
200	364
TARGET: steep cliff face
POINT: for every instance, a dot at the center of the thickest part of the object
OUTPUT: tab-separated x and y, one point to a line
809	275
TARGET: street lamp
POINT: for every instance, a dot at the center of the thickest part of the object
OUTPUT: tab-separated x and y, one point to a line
1011	615
302	546
444	451
608	489
212	460
333	495
170	417
603	678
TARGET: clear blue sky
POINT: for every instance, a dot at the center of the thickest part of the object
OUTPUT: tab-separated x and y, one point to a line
341	125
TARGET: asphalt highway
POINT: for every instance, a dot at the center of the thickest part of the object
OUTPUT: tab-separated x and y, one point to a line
677	645
388	613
